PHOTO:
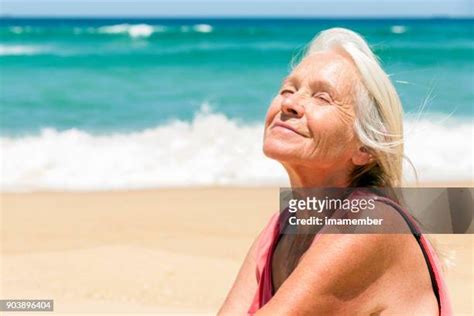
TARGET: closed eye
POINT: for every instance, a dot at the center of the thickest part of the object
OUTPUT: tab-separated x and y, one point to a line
323	97
286	91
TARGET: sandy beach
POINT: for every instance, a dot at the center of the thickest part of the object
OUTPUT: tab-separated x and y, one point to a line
161	251
135	139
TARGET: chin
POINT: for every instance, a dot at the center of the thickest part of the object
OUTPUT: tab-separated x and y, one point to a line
279	151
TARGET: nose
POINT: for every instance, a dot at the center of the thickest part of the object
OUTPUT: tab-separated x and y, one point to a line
291	107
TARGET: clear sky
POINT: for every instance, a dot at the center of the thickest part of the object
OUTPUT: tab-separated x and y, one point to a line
226	8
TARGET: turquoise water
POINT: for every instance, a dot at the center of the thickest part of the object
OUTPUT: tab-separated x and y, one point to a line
104	75
121	104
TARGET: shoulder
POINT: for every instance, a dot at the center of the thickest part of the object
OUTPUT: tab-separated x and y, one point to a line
367	258
341	272
354	263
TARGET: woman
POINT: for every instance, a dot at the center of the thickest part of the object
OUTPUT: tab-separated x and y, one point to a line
337	122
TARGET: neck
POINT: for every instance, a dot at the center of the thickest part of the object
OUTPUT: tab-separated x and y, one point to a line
310	177
317	181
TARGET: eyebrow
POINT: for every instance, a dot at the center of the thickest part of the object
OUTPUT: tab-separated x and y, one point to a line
290	80
324	85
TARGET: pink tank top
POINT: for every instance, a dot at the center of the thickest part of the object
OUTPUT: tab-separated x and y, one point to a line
270	236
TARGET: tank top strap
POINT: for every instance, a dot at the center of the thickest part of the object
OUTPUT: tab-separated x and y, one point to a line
432	261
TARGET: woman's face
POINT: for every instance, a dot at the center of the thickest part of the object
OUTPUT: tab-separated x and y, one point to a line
310	121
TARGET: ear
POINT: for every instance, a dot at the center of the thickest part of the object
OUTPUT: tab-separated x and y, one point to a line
361	156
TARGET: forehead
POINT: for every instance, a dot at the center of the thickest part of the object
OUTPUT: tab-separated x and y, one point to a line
329	66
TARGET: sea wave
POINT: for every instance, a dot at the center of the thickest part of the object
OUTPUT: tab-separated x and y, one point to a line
134	30
146	30
141	30
398	29
203	28
210	150
16	50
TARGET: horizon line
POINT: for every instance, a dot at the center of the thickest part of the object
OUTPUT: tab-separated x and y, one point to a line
224	17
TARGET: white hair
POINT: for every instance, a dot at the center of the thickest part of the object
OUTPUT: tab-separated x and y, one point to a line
379	112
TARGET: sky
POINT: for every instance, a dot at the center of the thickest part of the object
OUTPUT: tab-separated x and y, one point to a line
229	8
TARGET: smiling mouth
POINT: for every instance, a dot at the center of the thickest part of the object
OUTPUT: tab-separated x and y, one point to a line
287	127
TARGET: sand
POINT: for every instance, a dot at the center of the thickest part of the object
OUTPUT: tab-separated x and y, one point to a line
161	251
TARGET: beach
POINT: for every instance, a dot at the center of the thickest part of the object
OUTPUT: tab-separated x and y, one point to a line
142	251
133	178
162	251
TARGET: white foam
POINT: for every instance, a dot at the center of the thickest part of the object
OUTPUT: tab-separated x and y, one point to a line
398	29
17	50
440	150
203	28
134	30
210	150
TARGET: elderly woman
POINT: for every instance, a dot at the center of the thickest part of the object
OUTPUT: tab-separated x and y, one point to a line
337	122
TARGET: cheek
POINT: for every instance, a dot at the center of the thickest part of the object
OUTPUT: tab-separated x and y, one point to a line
332	128
273	110
270	144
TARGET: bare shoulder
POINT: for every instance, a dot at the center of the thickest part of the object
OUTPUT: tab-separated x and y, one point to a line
367	273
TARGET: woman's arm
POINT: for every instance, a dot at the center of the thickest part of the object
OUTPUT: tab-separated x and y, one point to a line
242	292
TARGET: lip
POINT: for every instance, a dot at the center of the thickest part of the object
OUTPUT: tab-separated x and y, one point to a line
289	127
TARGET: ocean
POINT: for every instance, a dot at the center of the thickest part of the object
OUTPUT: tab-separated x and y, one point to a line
95	104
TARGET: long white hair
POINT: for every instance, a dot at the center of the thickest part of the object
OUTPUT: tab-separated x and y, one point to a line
379	115
379	112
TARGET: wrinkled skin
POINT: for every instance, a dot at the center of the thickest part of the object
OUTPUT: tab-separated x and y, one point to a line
317	100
